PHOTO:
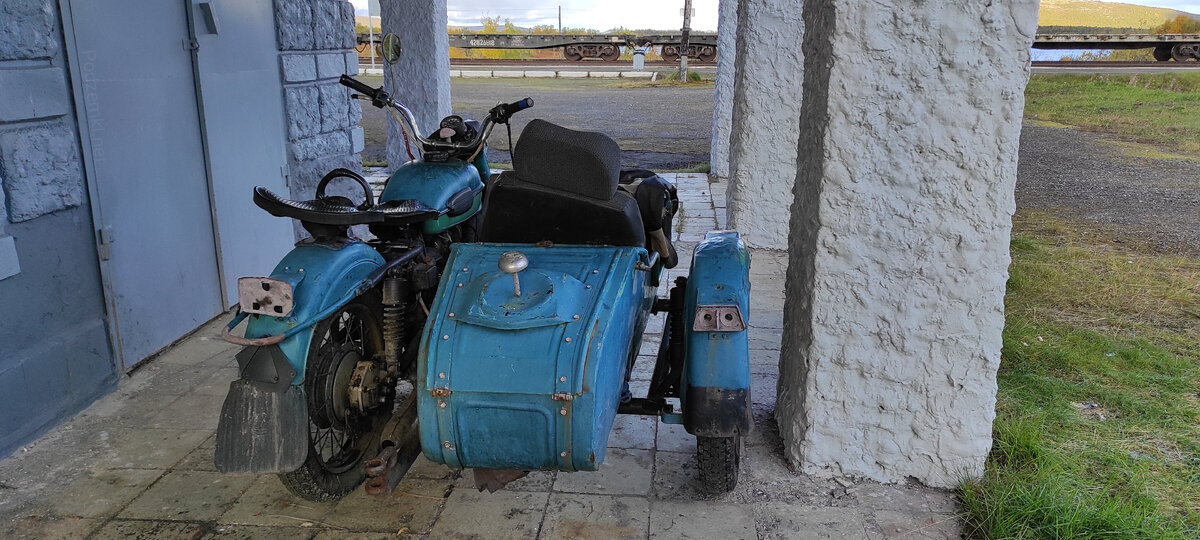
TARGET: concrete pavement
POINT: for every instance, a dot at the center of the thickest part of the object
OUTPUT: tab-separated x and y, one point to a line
138	464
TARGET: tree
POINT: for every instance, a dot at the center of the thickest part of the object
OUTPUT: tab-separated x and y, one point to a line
1181	24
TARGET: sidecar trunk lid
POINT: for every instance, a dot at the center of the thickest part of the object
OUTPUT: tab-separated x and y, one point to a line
530	381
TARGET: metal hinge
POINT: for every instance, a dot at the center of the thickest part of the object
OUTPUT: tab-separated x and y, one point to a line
104	243
439	391
562	396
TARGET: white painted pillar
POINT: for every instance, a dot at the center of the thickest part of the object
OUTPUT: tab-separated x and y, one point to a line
766	107
421	80
726	74
900	235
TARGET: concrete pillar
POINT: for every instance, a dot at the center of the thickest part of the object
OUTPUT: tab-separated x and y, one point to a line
766	107
900	232
726	74
421	80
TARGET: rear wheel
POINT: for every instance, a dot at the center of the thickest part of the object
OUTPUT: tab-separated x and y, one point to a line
342	430
718	458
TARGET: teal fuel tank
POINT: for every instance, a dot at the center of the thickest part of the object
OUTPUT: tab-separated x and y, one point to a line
529	381
453	187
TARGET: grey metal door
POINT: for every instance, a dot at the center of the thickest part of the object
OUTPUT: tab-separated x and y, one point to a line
133	71
241	97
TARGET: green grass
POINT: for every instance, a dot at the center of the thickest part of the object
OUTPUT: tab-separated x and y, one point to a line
1097	433
1160	109
1101	14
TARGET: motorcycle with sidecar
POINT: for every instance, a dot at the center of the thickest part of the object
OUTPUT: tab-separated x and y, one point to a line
492	322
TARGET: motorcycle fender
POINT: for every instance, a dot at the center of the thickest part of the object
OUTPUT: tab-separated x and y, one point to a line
715	397
320	275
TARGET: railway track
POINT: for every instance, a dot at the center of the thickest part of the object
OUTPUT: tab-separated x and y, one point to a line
1117	64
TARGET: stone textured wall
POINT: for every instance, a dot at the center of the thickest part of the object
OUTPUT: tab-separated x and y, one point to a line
766	109
49	275
726	74
421	80
316	43
900	232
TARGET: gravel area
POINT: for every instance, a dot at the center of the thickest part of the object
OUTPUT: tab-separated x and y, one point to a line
660	128
1141	200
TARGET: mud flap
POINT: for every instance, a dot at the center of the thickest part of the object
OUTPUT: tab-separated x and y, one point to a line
262	430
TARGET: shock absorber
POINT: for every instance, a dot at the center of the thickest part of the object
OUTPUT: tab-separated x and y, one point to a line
394	308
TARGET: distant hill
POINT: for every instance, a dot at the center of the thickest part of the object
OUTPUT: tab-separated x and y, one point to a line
1084	13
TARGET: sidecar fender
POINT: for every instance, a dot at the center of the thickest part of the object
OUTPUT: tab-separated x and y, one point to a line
715	394
320	276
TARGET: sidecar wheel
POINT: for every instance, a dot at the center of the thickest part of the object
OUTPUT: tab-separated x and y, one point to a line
339	437
718	459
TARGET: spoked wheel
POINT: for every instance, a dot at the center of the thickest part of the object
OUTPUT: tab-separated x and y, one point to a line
572	54
346	414
610	54
670	54
718	459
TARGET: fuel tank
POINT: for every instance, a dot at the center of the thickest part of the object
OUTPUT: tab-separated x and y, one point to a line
529	381
454	187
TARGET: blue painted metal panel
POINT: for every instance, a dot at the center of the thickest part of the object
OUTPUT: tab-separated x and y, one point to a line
430	183
719	276
320	276
241	97
145	164
530	382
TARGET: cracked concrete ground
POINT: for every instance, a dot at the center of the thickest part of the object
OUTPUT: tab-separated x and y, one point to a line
138	464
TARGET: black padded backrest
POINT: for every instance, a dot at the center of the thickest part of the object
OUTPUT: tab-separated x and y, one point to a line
579	162
521	212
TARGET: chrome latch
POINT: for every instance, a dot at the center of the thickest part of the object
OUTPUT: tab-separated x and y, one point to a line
718	319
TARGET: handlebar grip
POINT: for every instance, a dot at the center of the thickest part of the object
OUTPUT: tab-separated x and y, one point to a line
520	105
357	86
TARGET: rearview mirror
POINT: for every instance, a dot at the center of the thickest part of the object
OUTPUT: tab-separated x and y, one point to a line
392	50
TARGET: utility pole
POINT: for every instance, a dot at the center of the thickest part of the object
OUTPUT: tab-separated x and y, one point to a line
560	18
683	42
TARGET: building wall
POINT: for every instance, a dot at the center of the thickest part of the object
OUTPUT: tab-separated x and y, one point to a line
316	44
726	74
54	353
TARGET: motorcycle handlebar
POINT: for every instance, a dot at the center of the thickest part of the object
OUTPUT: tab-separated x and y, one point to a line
498	115
357	86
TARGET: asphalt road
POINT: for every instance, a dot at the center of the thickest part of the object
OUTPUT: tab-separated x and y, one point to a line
657	127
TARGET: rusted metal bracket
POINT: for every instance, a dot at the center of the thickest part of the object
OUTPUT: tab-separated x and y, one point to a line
718	319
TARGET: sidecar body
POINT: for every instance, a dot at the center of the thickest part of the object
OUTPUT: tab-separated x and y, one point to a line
525	367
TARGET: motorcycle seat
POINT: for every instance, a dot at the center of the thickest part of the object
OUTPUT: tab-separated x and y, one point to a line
338	210
563	189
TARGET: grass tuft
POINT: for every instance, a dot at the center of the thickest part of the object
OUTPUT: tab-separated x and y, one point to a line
1097	432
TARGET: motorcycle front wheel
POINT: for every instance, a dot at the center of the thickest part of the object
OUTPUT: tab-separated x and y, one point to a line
340	437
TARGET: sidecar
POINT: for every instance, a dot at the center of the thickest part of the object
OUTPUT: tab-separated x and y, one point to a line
529	345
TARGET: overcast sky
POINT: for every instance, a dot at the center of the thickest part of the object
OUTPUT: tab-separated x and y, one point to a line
632	14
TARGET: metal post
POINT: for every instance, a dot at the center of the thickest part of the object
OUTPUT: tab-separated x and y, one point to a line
371	29
683	42
560	19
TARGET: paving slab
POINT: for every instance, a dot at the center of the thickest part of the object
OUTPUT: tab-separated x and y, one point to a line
784	521
570	517
102	493
624	472
189	495
412	508
701	520
500	515
631	431
267	503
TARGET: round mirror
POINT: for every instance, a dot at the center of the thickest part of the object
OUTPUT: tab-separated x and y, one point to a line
392	50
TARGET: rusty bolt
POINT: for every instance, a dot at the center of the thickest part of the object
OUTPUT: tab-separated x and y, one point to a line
440	391
442	404
562	411
562	379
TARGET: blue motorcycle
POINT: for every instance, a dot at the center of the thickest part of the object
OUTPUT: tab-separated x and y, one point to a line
492	323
